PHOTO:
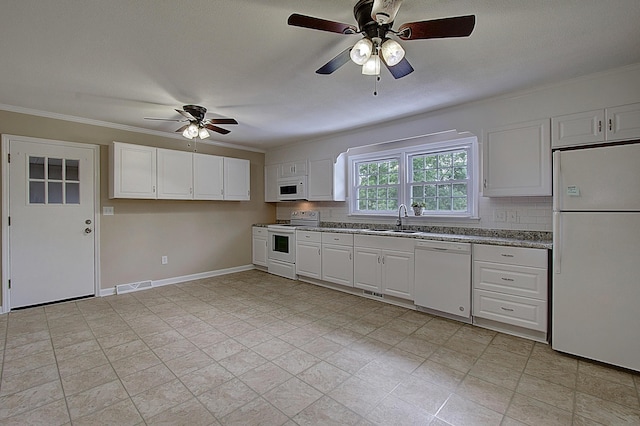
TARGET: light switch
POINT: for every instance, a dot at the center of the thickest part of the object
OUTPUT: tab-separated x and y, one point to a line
107	211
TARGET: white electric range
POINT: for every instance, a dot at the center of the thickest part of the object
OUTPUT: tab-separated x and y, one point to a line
282	242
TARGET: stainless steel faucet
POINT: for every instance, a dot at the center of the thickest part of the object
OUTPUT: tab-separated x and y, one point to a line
399	221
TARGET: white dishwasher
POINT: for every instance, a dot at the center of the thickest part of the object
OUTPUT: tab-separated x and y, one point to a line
443	278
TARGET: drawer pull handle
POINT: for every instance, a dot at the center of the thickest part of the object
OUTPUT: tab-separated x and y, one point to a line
336	239
506	309
507	279
506	255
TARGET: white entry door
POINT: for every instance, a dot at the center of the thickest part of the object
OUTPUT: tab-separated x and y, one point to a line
51	230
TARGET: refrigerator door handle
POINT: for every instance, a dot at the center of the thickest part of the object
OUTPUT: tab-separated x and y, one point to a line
556	180
556	243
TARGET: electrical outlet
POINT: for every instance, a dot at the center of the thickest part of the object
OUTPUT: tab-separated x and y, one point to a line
512	216
165	260
499	216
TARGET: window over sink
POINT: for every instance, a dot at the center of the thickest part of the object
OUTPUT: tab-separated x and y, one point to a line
442	176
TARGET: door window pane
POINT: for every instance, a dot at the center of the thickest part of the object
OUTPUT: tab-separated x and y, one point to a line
71	170
36	167
72	191
55	193
36	192
55	168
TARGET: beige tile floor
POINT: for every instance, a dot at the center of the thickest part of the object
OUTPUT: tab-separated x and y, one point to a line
251	348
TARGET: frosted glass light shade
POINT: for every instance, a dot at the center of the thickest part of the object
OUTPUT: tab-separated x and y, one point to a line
372	66
186	134
361	51
384	11
392	52
192	130
203	133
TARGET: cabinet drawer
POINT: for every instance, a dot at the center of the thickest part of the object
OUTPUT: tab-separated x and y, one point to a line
335	238
511	279
536	258
309	236
515	310
259	231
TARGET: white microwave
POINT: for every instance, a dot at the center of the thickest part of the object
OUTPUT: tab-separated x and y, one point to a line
291	189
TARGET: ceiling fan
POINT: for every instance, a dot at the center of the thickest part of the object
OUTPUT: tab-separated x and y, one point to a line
375	21
197	125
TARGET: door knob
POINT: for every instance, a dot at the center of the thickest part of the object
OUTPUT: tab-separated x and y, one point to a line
87	230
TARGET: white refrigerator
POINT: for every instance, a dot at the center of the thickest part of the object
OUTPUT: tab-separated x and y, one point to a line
596	254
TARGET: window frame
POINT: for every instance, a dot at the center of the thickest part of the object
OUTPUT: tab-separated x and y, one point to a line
405	153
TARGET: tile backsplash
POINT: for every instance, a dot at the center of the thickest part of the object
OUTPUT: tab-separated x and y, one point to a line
510	213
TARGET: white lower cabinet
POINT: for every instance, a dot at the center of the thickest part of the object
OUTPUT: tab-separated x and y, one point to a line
510	289
384	265
309	254
259	246
337	258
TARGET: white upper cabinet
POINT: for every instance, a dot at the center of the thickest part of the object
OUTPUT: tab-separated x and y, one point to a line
175	174
597	126
271	183
208	177
321	180
237	177
517	160
293	169
141	172
133	171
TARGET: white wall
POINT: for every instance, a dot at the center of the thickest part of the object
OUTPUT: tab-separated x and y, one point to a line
615	87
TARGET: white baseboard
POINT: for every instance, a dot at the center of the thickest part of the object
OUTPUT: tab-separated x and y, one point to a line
177	280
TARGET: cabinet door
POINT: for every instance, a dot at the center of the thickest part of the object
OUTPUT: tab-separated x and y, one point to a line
582	128
337	264
293	169
623	122
236	179
175	174
517	160
271	183
207	177
367	266
397	274
259	246
321	180
309	259
133	171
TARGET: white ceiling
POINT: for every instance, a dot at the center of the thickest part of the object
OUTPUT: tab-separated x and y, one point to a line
119	61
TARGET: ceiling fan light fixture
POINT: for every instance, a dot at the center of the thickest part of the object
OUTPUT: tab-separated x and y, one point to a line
361	51
384	11
392	52
372	66
186	134
192	130
202	133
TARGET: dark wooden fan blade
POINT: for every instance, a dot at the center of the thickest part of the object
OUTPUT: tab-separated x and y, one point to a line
163	119
222	121
182	129
304	21
401	69
459	26
217	129
336	62
185	115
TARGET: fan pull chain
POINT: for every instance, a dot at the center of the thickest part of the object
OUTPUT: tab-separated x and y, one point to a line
375	87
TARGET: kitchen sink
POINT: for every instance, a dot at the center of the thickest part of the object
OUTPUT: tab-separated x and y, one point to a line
403	231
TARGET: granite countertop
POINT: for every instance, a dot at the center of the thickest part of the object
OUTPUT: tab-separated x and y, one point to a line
511	238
